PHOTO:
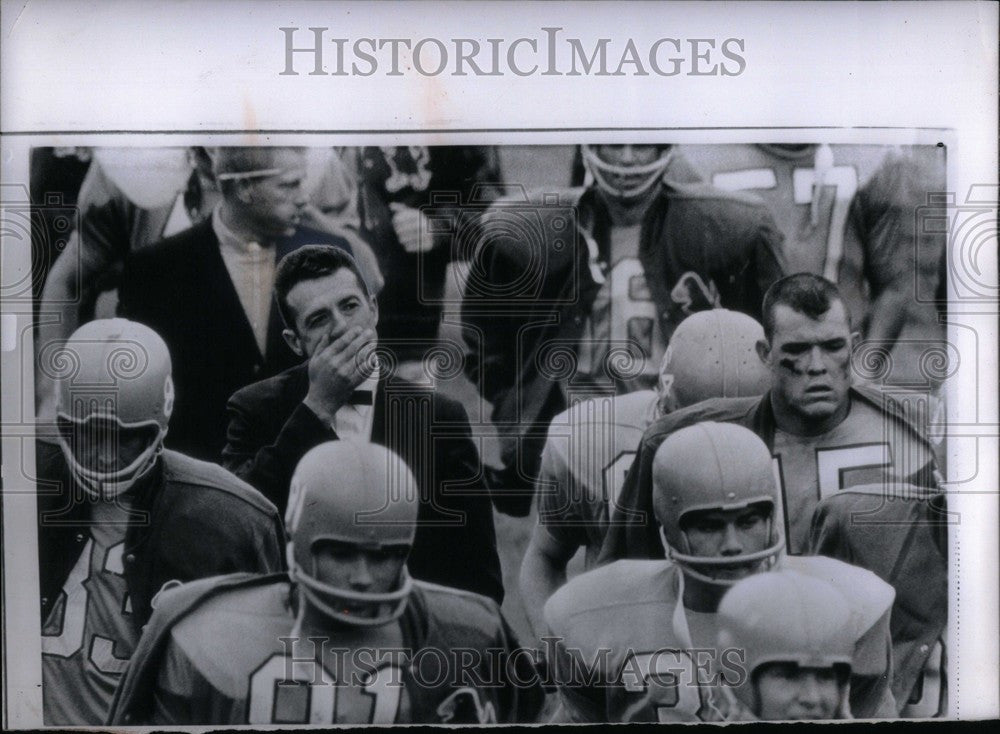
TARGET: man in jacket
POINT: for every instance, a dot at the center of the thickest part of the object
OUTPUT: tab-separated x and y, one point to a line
120	516
578	294
347	390
207	289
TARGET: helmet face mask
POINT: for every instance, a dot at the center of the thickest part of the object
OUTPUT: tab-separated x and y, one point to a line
106	457
703	535
731	483
626	180
720	569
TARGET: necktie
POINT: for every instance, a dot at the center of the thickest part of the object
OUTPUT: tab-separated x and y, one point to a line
360	397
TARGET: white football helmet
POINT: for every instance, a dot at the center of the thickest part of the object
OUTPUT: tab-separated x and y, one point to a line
361	495
714	466
712	354
787	617
117	383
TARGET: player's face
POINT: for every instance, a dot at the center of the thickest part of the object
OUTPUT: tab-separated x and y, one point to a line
358	569
101	445
786	692
728	533
276	203
328	306
810	361
627	156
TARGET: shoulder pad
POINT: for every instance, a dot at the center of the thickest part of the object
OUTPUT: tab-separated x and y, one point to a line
584	611
203	474
460	616
707	192
714	409
870	597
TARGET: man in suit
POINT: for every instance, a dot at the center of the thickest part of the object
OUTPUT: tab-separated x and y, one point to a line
207	289
342	392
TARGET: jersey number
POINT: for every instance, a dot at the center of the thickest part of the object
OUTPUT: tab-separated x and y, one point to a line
73	615
667	677
833	464
282	692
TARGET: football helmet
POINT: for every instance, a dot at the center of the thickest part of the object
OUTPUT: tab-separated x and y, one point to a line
625	182
150	178
116	384
712	354
786	617
713	466
361	495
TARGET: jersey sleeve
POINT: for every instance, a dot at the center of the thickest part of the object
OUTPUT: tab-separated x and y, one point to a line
872	673
904	542
496	681
884	213
558	500
178	697
630	534
580	697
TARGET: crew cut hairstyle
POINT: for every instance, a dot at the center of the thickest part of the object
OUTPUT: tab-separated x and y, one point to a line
244	159
308	263
806	293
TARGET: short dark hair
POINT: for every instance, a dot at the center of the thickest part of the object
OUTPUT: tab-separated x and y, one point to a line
308	263
805	293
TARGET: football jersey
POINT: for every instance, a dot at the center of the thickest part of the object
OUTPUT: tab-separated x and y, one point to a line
904	542
588	450
865	448
878	442
235	659
89	635
849	213
809	190
626	651
622	321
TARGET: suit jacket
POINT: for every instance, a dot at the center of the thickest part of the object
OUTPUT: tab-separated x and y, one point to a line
455	545
181	289
193	519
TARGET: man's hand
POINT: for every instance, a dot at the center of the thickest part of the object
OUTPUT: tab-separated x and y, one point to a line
336	368
408	223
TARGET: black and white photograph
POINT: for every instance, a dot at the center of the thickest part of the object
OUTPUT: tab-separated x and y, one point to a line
578	415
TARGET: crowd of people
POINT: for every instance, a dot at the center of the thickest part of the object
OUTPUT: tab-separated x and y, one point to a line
265	495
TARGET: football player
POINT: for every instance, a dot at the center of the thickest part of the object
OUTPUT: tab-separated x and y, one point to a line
590	446
849	213
636	640
795	635
825	432
347	638
905	542
577	294
119	515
